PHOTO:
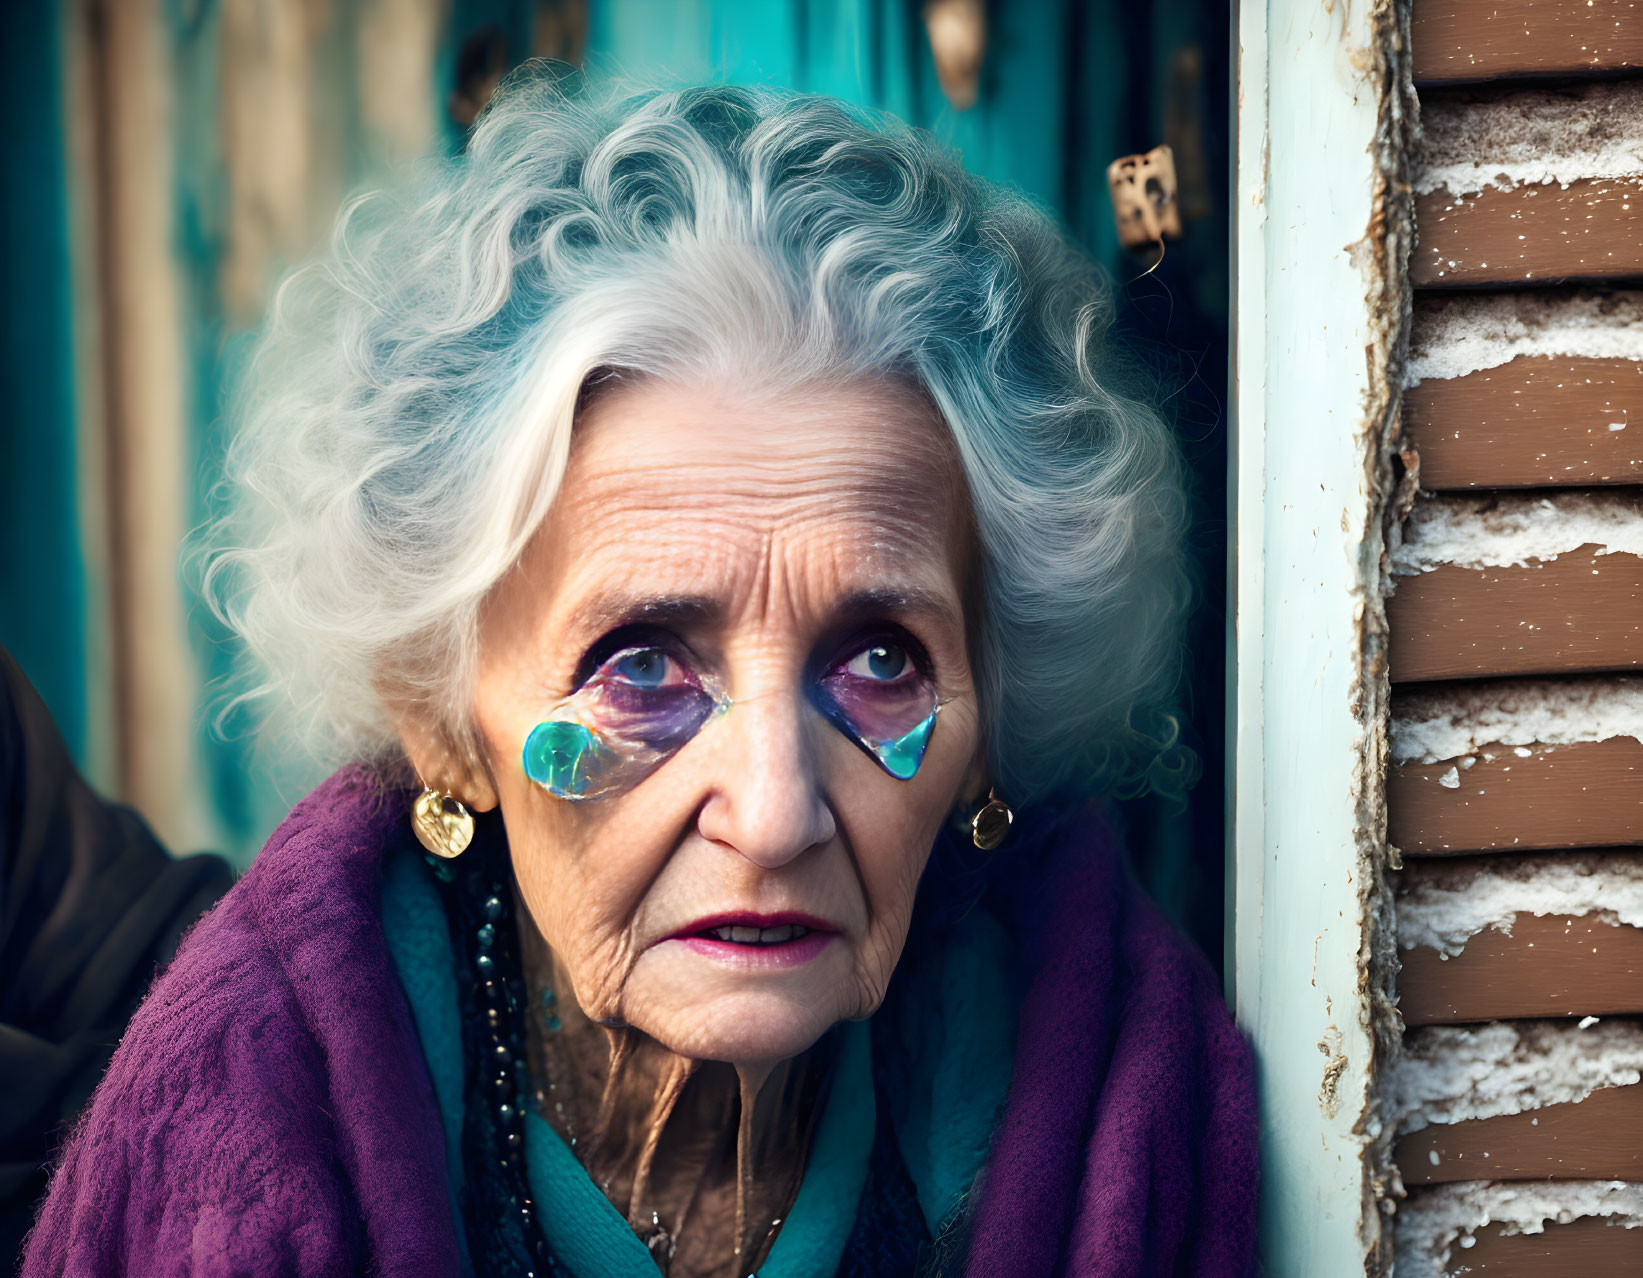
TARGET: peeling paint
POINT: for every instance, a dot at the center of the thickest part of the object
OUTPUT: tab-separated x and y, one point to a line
1393	487
1476	142
1442	723
1323	239
1335	1063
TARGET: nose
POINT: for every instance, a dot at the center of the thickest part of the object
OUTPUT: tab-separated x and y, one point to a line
767	800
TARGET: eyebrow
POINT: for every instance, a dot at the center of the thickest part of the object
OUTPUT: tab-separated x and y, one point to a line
607	612
907	601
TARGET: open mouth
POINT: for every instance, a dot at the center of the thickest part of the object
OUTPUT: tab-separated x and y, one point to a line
744	940
740	935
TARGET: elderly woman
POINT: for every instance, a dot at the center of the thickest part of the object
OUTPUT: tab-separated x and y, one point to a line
721	505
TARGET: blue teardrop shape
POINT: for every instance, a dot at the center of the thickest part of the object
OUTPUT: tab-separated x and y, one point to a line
902	755
562	757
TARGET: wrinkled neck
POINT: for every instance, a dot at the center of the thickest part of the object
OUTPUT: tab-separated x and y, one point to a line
702	1158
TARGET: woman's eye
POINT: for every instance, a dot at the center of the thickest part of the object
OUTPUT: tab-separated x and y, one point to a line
641	703
647	668
643	668
882	663
883	700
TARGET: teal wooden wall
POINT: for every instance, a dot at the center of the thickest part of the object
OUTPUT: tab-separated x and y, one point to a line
1067	85
42	569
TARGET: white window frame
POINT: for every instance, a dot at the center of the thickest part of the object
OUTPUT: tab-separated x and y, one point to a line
1318	306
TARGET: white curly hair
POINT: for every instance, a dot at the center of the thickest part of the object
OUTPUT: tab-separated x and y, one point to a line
406	420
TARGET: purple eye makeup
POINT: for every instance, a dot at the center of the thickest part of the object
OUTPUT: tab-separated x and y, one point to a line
645	700
880	697
635	711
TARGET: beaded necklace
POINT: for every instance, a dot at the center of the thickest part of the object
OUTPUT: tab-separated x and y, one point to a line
498	1212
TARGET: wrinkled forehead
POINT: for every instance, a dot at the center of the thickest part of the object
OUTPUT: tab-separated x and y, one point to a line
811	492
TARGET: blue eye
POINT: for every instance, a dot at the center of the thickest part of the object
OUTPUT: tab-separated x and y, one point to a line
642	667
883	662
881	699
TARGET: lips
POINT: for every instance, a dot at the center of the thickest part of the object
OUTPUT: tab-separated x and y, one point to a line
745	939
744	927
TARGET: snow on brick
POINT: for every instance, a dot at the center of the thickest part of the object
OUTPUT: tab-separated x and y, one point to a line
1465	333
1531	137
1511	530
1430	725
1445	905
1435	1224
1449	1074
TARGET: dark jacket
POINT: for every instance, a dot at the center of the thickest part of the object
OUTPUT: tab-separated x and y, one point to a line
90	907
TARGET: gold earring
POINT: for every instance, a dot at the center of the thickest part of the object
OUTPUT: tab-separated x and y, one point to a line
442	824
989	826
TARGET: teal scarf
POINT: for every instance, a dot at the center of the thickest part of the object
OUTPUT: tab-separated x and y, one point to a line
958	1045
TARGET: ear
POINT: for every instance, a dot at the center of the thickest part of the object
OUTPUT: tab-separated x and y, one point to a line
443	764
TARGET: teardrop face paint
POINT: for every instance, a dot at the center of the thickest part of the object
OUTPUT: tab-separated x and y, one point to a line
565	757
640	706
882	699
645	702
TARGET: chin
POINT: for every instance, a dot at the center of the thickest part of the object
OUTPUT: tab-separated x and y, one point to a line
743	1017
744	1031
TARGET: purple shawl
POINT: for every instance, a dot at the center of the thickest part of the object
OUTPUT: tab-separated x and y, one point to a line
270	1112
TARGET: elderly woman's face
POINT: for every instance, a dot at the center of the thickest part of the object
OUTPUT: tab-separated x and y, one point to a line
795	566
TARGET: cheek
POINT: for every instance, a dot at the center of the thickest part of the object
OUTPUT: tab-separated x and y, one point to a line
890	876
582	873
890	859
890	866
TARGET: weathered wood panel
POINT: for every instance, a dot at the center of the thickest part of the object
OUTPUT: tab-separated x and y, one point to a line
1518	386
1589	794
1589	229
1580	611
1538	420
1588	1248
1599	1138
1492	39
1550	965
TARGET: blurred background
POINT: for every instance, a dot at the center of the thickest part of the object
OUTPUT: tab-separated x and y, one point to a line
170	159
